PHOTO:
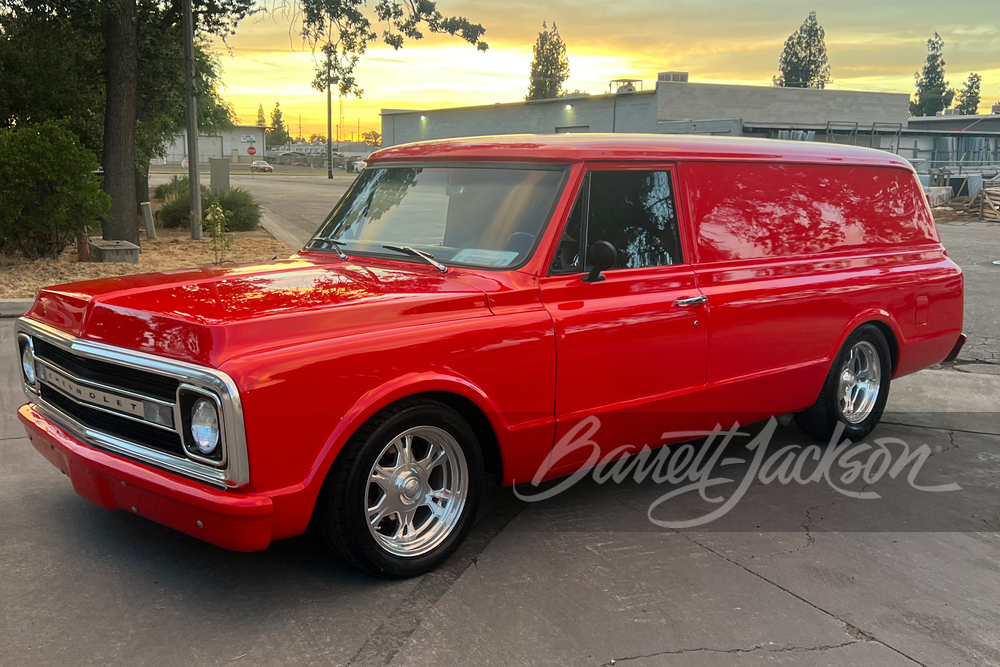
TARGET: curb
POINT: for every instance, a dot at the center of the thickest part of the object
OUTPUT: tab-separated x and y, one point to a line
14	307
275	229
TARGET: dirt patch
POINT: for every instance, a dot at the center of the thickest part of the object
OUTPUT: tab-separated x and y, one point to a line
21	279
955	211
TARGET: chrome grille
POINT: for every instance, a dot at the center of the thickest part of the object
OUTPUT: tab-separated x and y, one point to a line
130	379
131	403
143	434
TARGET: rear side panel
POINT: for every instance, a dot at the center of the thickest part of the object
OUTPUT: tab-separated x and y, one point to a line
793	257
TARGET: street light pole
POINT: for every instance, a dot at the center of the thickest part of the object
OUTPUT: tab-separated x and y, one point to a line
194	178
329	123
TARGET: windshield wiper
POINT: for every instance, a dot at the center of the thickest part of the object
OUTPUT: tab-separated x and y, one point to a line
426	256
336	245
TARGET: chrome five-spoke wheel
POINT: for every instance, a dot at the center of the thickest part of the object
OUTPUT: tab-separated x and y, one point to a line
403	492
416	491
860	379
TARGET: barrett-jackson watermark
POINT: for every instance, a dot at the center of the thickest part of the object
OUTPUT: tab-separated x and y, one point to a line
839	464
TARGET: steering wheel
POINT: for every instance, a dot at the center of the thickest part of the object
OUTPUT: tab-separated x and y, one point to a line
515	242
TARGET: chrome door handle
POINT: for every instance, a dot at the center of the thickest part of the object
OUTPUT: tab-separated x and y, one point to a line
693	301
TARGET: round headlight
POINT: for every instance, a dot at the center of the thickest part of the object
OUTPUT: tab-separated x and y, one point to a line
205	426
28	365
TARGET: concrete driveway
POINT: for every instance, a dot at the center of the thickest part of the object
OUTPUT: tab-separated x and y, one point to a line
794	574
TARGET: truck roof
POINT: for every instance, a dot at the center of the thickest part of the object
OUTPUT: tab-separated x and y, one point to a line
667	147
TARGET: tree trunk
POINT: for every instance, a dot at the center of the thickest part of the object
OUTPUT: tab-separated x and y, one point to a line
120	30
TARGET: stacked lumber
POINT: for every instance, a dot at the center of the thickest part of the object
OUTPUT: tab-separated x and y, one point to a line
986	204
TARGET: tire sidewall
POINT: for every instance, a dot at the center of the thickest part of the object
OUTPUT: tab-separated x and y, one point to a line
352	514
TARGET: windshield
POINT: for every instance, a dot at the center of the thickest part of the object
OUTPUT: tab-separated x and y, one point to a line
480	216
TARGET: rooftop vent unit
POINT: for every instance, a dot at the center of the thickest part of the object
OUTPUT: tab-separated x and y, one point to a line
673	77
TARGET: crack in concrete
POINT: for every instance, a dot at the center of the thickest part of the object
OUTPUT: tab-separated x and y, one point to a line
942	450
850	629
756	647
810	538
801	599
385	642
936	428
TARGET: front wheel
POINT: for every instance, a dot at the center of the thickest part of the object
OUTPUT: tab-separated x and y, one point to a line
856	388
403	493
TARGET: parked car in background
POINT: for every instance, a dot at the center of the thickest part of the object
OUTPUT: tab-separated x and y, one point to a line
261	166
367	384
356	166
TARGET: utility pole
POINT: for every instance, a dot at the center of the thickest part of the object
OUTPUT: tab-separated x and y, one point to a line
194	178
329	122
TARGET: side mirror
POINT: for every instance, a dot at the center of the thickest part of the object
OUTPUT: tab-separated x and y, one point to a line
603	256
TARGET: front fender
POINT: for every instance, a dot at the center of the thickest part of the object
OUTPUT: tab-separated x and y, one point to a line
303	403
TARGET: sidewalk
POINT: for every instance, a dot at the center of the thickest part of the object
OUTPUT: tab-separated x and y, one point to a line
14	307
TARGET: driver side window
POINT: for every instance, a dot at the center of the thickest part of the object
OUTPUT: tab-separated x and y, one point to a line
631	209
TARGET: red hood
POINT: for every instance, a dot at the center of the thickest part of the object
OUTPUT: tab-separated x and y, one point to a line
210	315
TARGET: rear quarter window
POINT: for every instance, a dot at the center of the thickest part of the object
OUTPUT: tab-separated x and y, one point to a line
746	211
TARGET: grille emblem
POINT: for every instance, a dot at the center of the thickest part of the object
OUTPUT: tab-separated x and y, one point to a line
87	394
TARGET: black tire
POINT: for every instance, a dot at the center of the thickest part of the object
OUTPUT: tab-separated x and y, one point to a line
340	510
821	420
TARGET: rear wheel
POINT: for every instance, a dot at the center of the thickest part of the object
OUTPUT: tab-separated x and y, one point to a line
856	388
404	492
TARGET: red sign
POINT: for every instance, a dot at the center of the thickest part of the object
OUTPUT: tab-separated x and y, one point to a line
251	151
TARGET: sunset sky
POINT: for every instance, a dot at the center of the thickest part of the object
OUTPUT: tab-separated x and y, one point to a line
871	46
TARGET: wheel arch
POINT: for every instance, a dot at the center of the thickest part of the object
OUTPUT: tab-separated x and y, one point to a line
480	424
457	393
884	322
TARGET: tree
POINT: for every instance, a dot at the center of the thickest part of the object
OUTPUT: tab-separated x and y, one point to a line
969	97
933	94
51	67
48	191
342	31
121	33
549	67
803	62
278	134
372	138
261	119
123	61
54	62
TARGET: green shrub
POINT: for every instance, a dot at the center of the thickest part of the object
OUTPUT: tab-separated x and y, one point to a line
49	193
164	190
241	209
175	211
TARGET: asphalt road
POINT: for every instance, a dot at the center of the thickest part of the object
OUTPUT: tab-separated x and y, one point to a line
793	575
